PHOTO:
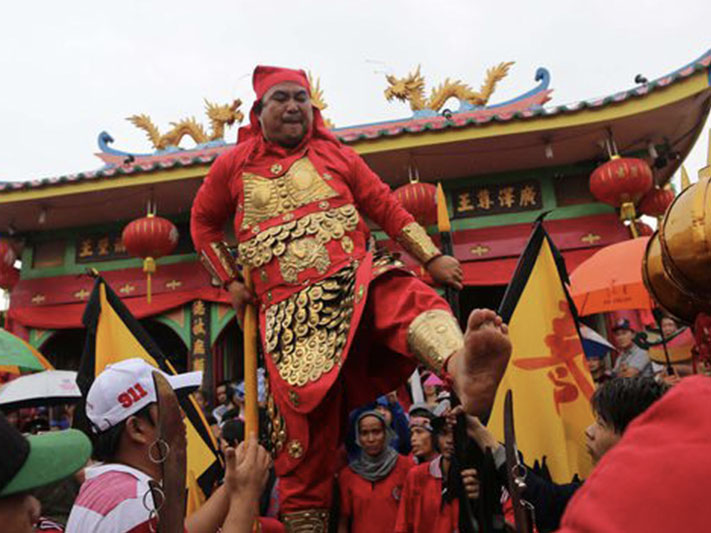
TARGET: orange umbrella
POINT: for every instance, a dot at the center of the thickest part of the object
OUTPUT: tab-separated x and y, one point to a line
611	279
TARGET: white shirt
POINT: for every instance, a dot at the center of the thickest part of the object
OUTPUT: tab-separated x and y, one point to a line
115	498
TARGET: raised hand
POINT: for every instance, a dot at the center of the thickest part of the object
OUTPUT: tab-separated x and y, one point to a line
246	469
446	270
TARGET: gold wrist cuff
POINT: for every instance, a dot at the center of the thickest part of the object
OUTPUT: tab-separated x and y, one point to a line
417	243
226	261
433	336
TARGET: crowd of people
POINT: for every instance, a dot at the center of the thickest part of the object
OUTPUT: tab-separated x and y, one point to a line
633	360
395	474
340	322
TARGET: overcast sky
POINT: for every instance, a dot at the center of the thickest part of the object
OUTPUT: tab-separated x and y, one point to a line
69	70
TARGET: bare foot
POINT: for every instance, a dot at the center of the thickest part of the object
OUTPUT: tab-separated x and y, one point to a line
479	366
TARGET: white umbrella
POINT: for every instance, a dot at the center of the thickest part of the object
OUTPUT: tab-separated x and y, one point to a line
50	387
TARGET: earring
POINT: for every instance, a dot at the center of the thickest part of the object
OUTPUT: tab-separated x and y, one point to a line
158	451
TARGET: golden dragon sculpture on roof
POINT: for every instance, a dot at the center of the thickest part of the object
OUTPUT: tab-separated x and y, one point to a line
220	116
317	99
412	89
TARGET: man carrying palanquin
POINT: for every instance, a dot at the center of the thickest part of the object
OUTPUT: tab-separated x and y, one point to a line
338	324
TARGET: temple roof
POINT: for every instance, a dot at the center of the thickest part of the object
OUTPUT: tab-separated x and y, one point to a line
358	136
669	112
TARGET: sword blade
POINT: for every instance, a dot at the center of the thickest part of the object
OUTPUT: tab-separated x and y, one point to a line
171	429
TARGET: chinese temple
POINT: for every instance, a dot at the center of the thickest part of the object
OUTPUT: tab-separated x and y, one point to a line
501	165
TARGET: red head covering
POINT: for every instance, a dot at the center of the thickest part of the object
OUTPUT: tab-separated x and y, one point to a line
264	78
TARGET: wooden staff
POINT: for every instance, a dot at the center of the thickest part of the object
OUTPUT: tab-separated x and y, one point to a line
250	363
444	227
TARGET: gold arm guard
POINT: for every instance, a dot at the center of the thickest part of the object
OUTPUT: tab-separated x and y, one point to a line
417	243
433	336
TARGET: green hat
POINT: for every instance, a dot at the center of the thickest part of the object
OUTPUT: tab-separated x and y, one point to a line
28	463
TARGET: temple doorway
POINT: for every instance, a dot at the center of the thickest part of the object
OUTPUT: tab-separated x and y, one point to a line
64	348
227	354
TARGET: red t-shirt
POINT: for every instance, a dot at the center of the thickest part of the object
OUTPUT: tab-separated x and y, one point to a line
421	507
372	507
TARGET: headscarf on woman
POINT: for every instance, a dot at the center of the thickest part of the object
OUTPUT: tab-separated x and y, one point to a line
374	468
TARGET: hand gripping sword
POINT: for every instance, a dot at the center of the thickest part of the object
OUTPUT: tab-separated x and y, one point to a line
169	450
516	472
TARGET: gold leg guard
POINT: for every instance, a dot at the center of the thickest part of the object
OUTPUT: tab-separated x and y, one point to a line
306	521
433	336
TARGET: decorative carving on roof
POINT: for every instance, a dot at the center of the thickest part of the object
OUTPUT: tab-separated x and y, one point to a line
412	89
219	115
524	107
317	98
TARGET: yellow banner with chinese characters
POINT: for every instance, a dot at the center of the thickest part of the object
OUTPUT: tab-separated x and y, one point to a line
547	373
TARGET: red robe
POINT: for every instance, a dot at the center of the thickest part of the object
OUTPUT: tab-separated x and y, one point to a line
421	508
372	507
298	221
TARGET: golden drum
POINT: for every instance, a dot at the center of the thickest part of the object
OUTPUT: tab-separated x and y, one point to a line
673	298
685	238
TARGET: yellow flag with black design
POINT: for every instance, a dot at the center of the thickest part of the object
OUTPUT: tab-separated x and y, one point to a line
114	334
547	371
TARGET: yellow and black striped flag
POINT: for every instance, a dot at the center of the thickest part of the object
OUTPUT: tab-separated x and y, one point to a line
114	334
547	371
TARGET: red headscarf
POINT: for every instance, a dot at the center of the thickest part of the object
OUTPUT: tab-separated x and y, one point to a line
263	79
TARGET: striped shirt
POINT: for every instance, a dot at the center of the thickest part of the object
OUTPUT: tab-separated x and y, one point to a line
115	498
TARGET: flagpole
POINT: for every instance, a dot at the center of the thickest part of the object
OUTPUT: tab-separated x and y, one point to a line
250	363
444	228
470	519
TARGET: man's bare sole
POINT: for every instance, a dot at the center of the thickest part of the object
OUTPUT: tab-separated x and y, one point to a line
479	366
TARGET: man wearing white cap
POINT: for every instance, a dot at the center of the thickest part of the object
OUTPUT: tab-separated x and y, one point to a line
122	410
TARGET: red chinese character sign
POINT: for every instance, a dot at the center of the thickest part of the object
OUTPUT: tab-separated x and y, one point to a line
547	372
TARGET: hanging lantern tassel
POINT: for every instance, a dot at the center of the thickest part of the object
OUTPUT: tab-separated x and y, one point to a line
627	212
149	267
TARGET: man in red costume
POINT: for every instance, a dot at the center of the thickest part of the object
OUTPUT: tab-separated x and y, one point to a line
339	323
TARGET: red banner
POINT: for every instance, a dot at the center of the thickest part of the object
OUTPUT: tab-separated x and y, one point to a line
58	302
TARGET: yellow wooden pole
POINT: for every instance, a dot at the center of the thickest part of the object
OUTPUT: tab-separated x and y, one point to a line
685	181
250	364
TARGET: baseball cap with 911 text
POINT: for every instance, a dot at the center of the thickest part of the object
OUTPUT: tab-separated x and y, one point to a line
126	387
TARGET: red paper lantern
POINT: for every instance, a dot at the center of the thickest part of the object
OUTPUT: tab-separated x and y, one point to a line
643	229
8	256
656	201
150	237
420	200
622	182
9	278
